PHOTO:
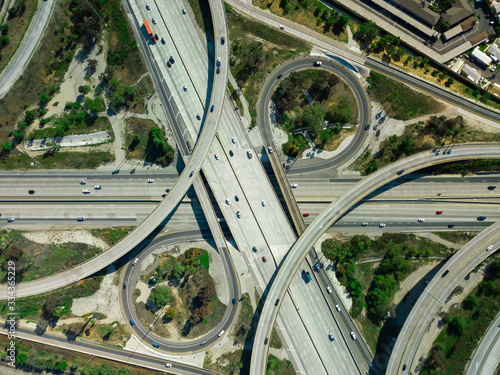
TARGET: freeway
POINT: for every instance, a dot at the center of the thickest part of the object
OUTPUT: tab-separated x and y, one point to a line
177	192
153	362
273	80
296	255
487	356
27	47
434	296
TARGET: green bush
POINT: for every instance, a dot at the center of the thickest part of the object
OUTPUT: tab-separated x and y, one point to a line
160	296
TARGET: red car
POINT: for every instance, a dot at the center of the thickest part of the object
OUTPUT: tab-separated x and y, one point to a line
439	212
264	259
168	64
306	215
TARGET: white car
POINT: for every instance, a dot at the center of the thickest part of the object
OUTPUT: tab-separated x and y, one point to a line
282	27
168	365
270	150
329	290
489	248
337	307
421	220
221	333
353	336
216	156
154	21
318	63
364	224
86	191
183	11
150	181
185	88
381	225
233	140
263	203
135	261
228	201
330	335
294	185
148	7
238	213
97	187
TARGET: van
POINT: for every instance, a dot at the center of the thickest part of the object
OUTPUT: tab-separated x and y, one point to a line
221	333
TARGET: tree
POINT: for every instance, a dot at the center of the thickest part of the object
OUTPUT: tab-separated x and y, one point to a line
7	146
4	40
449	82
160	296
170	314
44	98
29	117
178	270
22	125
471	303
84	90
367	32
92	65
137	138
18	135
457	326
113	84
96	105
4	29
12	12
61	366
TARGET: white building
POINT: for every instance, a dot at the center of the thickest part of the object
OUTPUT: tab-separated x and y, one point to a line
480	57
470	73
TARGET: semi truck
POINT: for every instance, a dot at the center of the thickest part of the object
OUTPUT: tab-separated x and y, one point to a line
146	26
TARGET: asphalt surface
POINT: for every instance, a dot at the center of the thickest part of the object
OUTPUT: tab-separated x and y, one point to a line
435	295
345	74
487	356
132	274
292	262
111	353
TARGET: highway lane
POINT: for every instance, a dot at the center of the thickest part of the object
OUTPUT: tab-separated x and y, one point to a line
152	361
131	275
434	296
487	355
285	69
336	210
176	193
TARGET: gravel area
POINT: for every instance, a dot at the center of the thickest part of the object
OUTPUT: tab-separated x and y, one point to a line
58	237
322	154
69	141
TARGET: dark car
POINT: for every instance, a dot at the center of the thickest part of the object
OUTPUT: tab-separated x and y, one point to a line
451	225
156	37
231	153
162	40
445	273
212	108
266	340
492	187
31	191
277	302
155	345
131	322
234	301
171	59
222	40
481	218
191	174
404	367
164	195
279	76
218	69
401	172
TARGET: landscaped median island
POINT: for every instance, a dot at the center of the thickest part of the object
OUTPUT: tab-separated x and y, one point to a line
316	104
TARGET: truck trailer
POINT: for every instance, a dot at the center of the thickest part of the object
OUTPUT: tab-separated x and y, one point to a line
146	26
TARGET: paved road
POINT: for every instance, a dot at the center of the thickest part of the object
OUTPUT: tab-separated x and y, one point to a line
362	99
300	249
434	296
27	47
152	361
487	356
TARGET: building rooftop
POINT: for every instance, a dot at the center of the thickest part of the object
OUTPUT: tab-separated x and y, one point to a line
457	13
494	50
481	57
470	73
419	9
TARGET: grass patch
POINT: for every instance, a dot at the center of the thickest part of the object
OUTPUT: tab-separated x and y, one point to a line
34	260
243	329
275	341
465	325
457	237
111	235
235	362
275	366
71	124
398	100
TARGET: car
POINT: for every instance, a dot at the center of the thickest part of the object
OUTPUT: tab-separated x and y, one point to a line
221	333
231	153
317	63
451	225
131	322
163	195
401	172
191	174
233	140
279	76
264	259
212	108
135	261
183	11
150	181
492	187
421	220
329	290
249	153
330	335
228	201
238	214
294	186
439	212
97	187
404	367
10	220
489	248
154	21
377	133
305	214
171	59
236	198
156	37
234	301
168	365
277	302
254	249
282	27
83	182
163	41
263	203
218	61
266	340
493	69
148	7
381	225
168	64
216	156
218	69
364	224
31	191
124	285
80	219
198	117
185	88
155	345
445	273
481	218
222	40
86	191
203	343
337	307
353	336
